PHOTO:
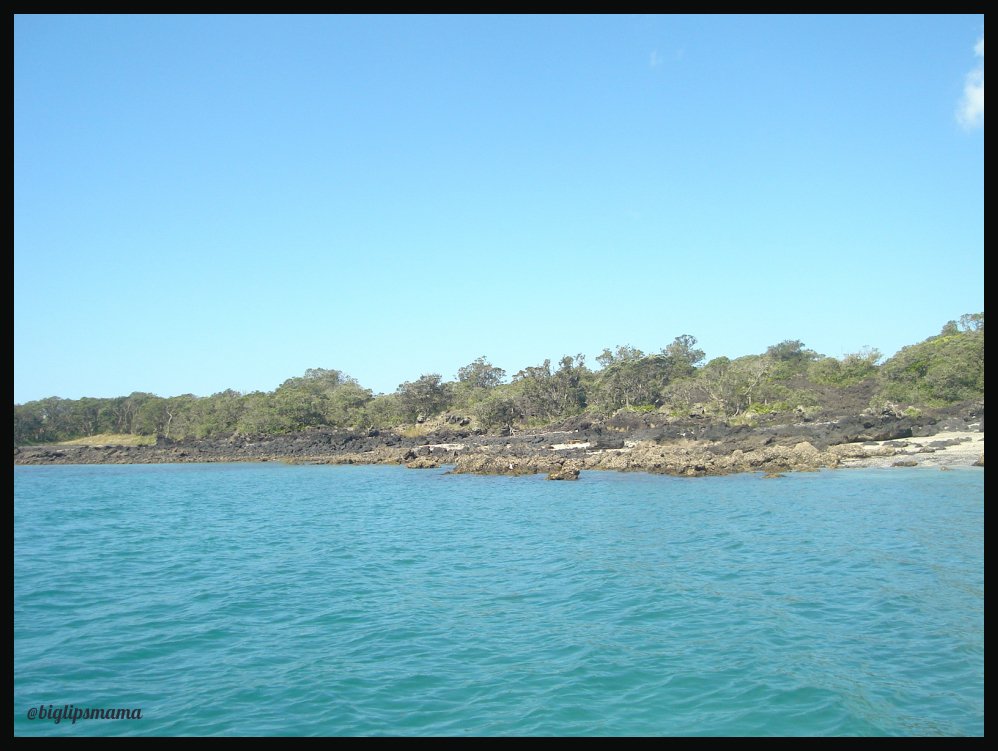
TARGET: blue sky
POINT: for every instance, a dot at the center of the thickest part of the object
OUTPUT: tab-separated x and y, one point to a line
211	202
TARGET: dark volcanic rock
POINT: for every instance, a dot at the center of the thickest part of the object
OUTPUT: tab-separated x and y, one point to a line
652	442
607	443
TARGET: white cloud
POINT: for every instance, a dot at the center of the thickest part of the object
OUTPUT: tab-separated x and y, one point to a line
654	59
970	111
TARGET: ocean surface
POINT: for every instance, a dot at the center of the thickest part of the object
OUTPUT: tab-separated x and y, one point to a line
249	599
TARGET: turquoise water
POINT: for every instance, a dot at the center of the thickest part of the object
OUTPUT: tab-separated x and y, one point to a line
301	600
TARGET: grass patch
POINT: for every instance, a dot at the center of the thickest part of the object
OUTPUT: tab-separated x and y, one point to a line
112	439
750	419
413	431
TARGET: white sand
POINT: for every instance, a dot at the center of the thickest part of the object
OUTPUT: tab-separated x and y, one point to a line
919	450
567	446
445	446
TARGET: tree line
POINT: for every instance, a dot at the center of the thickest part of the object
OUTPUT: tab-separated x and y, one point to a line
787	377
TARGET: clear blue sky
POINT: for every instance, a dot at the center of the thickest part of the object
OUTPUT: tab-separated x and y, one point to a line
211	202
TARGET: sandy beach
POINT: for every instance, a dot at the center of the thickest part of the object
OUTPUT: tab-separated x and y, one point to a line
946	449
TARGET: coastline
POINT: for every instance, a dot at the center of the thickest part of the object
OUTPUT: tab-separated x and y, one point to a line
632	443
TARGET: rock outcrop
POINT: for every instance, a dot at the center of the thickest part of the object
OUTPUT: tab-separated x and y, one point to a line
649	442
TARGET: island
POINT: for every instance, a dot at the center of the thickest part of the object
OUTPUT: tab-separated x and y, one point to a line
787	409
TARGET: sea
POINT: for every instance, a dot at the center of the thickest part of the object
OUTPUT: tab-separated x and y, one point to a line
271	599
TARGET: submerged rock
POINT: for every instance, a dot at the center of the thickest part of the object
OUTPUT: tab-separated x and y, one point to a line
565	473
422	462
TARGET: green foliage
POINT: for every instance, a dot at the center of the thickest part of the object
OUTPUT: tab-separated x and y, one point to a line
481	374
850	370
345	405
632	379
422	398
768	408
789	358
543	394
788	377
498	411
260	416
475	382
217	415
623	353
941	370
383	411
972	322
44	420
534	391
790	350
571	385
683	356
748	419
153	417
324	379
780	398
641	409
732	385
298	406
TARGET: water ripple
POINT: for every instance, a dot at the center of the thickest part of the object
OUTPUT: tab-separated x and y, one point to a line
274	600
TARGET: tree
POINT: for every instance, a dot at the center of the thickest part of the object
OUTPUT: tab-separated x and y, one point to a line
623	353
535	392
327	379
481	374
126	411
422	398
570	385
631	380
498	411
55	417
345	404
941	370
851	369
788	359
299	405
88	415
320	397
683	356
216	415
154	417
474	382
972	322
29	423
260	415
731	386
383	411
790	350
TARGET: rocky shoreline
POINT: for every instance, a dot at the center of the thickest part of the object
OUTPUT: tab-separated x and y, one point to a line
626	442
